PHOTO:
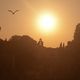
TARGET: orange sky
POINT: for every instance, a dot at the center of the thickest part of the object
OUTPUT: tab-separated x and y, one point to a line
22	23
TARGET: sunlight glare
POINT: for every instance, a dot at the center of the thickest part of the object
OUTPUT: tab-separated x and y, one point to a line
47	22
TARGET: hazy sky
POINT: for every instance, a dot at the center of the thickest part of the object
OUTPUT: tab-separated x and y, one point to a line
23	22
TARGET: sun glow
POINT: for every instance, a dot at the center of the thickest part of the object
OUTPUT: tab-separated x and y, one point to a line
47	22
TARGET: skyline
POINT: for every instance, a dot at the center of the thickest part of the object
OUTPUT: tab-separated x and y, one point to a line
22	23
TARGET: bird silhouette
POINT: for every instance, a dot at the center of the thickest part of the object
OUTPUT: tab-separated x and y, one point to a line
13	12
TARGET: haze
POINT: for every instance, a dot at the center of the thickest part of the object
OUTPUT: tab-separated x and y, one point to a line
23	22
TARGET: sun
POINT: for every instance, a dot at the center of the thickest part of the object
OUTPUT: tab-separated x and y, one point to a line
47	22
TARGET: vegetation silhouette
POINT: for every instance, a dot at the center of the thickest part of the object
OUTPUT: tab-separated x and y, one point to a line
22	58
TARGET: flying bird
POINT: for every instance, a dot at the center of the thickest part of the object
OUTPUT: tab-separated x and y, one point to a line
13	12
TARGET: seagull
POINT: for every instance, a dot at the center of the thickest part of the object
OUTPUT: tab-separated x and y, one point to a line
13	12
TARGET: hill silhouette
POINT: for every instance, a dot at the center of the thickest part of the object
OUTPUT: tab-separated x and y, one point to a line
23	58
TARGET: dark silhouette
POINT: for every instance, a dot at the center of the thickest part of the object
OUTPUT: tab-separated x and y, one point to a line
0	28
13	12
77	33
62	45
22	58
40	43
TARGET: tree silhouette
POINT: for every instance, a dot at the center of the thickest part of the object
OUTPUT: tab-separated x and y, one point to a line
77	33
22	58
40	43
